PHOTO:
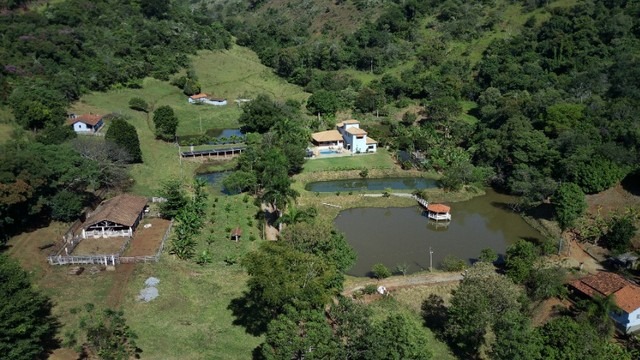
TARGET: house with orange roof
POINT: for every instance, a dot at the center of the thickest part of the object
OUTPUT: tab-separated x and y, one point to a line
347	135
85	123
203	98
625	294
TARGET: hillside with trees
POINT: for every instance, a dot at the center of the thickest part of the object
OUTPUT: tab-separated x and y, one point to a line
527	95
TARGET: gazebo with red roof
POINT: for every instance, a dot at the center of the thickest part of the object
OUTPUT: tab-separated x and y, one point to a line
438	212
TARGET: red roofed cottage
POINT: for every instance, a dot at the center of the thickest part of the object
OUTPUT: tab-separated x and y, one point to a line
625	293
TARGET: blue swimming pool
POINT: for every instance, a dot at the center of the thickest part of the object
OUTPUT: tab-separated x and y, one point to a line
328	152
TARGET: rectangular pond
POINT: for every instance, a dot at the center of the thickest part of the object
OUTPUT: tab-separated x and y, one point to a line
399	183
394	236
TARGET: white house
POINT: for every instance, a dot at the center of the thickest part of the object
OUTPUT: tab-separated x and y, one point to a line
625	293
347	135
203	98
118	216
86	123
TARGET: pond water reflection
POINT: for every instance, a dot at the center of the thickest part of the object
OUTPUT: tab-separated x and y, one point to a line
395	236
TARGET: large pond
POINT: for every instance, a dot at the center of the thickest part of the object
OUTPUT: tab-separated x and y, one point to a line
371	184
394	236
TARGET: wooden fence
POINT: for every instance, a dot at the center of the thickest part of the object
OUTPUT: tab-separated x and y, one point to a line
109	259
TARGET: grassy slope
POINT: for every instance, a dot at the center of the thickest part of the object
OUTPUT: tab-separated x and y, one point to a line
189	320
232	74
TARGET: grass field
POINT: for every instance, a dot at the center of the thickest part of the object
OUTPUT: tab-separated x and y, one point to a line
234	73
380	160
189	320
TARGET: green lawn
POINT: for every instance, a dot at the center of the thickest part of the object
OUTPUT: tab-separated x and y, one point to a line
380	160
234	73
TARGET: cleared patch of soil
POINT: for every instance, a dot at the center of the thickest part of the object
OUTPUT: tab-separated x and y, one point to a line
99	246
547	310
146	241
610	200
63	354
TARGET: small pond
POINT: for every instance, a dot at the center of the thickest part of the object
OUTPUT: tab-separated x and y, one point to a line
224	133
215	179
371	184
394	236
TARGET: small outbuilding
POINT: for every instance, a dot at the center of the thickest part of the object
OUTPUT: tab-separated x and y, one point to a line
203	98
118	216
86	123
236	234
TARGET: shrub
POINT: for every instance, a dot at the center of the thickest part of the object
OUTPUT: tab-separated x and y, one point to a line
138	104
453	263
380	271
370	289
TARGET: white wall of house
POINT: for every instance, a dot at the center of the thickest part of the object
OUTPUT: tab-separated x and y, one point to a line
630	322
81	127
372	147
208	101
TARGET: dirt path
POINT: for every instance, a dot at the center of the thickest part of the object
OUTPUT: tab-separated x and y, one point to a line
119	286
405	281
271	233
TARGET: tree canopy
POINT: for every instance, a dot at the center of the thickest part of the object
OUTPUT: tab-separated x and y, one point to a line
125	135
27	328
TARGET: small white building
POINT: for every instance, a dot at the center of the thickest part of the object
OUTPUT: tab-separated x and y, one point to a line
118	216
203	98
86	123
347	135
625	293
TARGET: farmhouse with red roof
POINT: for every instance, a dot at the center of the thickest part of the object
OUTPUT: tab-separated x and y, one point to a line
625	293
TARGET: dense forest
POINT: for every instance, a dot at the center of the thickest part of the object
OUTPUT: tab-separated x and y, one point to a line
49	58
556	100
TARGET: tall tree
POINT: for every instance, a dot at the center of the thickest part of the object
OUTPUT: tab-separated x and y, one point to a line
281	279
104	334
166	123
481	300
300	334
261	114
27	328
176	199
520	259
569	203
125	135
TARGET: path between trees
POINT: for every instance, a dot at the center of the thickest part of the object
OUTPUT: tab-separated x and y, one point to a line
407	281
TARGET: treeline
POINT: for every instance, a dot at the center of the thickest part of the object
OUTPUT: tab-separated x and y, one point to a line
556	101
49	58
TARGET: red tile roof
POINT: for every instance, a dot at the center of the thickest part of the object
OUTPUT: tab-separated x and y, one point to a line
628	298
604	283
89	119
199	96
236	232
438	208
